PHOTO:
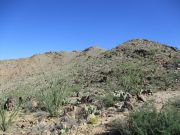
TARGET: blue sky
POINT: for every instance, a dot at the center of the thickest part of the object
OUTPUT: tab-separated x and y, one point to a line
29	27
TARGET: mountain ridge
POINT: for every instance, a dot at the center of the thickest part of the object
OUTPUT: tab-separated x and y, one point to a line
96	47
54	62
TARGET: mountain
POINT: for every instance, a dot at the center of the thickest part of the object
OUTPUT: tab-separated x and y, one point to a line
59	92
91	67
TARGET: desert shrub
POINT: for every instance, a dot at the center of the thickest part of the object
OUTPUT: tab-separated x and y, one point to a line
175	102
108	100
165	80
128	77
111	98
148	121
53	97
22	91
176	60
7	117
134	76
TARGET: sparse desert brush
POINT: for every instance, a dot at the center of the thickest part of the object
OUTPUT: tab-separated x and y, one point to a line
7	117
148	121
127	77
166	80
113	97
174	102
53	97
137	75
108	100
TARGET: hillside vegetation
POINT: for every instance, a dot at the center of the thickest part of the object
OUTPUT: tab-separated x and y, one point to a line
72	88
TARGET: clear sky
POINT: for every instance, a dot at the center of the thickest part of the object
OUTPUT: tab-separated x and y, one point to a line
29	27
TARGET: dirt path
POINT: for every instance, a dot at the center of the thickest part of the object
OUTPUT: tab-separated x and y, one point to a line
159	99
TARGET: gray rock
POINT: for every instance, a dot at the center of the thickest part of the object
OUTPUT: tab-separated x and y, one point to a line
118	105
141	98
112	109
128	105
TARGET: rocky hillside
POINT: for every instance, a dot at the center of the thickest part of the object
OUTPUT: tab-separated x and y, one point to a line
83	92
93	67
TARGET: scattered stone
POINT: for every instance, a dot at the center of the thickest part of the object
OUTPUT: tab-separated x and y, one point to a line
119	109
142	52
119	105
171	65
69	109
110	115
40	114
42	126
141	97
46	132
87	99
82	122
128	105
126	112
68	122
128	97
9	104
64	125
147	92
99	105
32	104
31	122
103	114
112	109
23	133
22	126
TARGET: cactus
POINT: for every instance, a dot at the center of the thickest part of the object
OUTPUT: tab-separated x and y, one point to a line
120	95
92	119
90	109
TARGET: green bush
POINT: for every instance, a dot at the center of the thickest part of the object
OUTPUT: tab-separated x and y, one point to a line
53	97
128	77
165	80
111	98
108	100
148	121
